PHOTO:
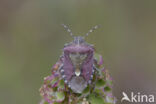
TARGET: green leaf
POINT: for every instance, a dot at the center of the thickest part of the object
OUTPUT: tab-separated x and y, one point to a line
55	89
61	84
96	99
97	56
60	96
55	103
100	83
54	81
46	103
97	90
86	90
107	88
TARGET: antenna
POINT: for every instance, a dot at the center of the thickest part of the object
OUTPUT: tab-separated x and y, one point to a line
68	30
92	29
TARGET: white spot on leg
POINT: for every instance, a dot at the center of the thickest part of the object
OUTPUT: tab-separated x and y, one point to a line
91	76
63	76
62	71
69	85
66	81
89	81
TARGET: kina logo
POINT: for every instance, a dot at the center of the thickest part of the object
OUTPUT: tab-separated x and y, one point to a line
137	97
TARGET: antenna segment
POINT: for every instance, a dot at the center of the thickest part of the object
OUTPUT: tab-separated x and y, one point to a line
68	30
92	29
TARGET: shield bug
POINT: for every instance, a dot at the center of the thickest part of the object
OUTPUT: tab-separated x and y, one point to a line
77	65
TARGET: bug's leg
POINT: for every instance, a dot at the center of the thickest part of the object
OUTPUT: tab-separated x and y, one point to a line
95	68
61	68
92	80
95	74
96	65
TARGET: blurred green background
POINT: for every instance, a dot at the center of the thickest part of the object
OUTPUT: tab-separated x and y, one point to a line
31	41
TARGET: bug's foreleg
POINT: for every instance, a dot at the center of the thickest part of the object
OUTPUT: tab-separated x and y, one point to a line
61	70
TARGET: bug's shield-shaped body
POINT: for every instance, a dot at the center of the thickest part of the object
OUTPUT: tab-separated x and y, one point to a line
77	67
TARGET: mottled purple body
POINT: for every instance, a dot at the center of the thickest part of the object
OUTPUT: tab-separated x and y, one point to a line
78	63
78	67
87	65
